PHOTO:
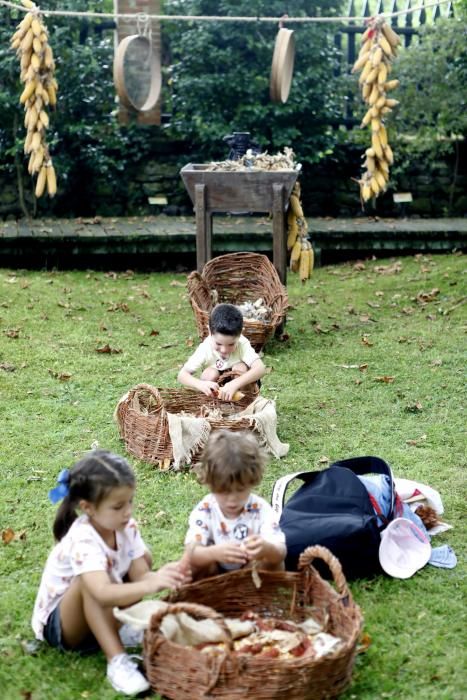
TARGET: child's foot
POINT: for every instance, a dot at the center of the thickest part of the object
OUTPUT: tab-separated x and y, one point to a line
125	677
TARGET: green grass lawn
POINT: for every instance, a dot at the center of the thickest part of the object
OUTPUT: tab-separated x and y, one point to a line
371	364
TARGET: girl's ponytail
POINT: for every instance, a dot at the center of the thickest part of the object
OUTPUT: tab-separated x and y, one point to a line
66	515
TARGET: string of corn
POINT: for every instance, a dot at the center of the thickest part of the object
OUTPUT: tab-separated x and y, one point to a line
301	251
30	41
378	50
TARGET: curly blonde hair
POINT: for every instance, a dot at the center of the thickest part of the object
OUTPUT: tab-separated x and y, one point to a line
231	460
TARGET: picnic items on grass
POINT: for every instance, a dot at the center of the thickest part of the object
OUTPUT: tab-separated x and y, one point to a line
170	427
319	670
333	508
237	278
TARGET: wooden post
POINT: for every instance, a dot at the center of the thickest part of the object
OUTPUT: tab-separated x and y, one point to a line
203	228
279	242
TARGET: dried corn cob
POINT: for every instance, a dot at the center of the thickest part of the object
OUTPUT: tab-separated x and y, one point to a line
378	50
301	256
30	41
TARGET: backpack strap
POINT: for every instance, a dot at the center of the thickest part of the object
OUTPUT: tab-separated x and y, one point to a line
372	465
280	487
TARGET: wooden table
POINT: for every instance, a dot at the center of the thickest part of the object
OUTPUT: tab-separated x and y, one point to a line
220	191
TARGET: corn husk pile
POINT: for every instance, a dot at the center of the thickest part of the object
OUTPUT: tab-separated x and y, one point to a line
302	256
260	161
377	52
40	91
255	310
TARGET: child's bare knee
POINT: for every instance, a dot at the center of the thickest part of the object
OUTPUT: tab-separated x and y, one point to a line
210	374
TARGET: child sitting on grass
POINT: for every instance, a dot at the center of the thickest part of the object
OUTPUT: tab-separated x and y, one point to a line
232	527
224	349
99	561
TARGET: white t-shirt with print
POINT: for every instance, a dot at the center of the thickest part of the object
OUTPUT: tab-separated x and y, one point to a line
80	551
208	525
206	356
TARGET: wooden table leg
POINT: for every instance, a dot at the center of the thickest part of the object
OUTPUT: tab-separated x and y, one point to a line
203	228
279	240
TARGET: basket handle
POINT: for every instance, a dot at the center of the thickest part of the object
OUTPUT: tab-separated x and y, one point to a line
317	551
195	610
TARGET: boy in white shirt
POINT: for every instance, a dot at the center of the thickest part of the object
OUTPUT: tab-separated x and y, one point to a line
224	349
231	527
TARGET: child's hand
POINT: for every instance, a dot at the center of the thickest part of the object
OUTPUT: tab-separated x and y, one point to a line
209	388
168	576
255	547
231	553
227	391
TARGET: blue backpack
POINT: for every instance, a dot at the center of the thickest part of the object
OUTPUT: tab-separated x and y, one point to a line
333	508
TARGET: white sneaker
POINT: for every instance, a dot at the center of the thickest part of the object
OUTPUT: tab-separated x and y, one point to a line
125	677
130	637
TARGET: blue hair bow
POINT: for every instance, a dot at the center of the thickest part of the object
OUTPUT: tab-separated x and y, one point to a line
63	487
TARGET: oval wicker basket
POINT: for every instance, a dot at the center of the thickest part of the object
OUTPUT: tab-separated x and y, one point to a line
233	279
143	424
184	673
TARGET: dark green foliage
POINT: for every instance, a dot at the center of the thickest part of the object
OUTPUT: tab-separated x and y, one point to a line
220	78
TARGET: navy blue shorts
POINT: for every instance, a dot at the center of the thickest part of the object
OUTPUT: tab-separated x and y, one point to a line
53	636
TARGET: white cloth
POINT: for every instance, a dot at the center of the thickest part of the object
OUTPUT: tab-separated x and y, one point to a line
264	418
408	489
206	356
208	525
80	551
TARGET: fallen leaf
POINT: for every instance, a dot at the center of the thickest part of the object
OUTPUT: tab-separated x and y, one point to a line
8	535
7	367
284	337
373	304
106	349
323	460
414	407
177	283
62	376
189	342
363	367
433	363
364	643
12	332
367	341
154	332
392	269
385	379
426	297
417	441
312	301
121	306
140	331
167	345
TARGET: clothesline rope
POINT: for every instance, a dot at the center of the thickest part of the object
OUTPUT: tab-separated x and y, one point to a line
213	18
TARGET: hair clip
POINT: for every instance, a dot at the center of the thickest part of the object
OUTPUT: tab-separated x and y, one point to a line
62	489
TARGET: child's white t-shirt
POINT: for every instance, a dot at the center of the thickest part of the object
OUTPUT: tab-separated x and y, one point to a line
206	356
80	551
208	525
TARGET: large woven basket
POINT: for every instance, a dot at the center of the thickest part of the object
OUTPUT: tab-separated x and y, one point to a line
184	673
143	424
233	279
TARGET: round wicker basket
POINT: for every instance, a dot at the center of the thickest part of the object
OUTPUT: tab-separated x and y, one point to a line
184	673
233	279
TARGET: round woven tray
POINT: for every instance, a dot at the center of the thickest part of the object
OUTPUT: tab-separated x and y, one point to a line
184	673
282	65
132	53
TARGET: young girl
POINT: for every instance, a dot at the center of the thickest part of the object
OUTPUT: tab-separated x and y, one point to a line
99	561
232	527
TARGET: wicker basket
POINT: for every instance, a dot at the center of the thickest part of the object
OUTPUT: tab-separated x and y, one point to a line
184	673
239	277
143	424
